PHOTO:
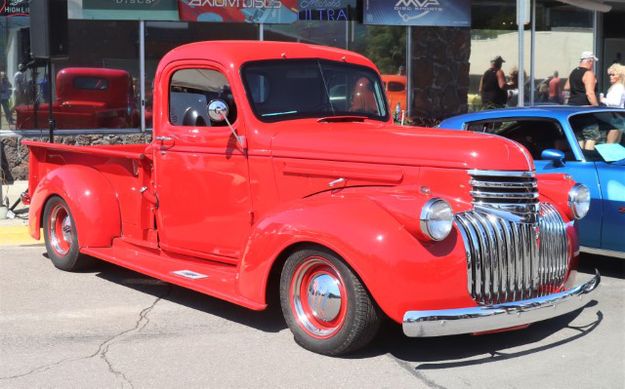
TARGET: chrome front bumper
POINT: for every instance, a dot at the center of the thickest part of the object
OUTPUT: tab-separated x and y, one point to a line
496	317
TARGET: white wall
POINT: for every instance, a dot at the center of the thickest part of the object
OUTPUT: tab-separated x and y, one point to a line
555	50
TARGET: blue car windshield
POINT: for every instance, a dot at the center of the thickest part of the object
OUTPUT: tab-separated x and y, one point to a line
600	128
290	89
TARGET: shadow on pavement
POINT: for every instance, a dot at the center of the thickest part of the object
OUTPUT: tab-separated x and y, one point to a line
428	353
269	320
607	266
467	350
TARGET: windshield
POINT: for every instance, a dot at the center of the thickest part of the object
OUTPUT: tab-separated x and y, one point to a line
288	89
600	134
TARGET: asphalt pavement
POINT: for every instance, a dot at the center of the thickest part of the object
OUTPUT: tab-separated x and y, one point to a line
114	328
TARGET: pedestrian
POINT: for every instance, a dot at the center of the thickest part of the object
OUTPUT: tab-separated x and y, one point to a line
582	82
19	80
493	85
555	90
542	94
5	96
616	93
513	88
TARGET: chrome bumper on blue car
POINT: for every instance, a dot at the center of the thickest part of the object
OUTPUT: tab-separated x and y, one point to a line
500	316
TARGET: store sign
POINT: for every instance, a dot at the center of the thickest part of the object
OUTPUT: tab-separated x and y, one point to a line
131	5
450	13
124	10
239	11
14	8
327	10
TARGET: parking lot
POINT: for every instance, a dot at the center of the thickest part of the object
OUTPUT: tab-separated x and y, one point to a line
111	327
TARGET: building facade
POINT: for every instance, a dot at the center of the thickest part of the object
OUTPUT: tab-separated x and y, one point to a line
441	63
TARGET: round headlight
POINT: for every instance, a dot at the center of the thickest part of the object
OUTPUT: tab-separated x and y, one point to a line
579	200
436	219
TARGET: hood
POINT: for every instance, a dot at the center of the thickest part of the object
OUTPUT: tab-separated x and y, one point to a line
382	143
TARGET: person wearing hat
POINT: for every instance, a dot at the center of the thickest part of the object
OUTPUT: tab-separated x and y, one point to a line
582	82
493	85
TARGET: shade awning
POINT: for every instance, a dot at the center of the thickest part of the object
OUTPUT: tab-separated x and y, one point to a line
592	5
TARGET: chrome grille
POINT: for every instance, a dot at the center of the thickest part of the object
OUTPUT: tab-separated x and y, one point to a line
515	192
511	261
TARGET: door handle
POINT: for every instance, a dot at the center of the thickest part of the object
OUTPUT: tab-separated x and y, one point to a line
166	141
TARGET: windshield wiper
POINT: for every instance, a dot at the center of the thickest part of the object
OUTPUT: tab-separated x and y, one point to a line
278	113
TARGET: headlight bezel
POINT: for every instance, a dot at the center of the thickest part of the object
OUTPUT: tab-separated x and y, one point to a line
430	214
579	208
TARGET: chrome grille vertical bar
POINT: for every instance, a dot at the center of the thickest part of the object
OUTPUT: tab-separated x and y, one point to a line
469	248
484	276
504	261
518	268
548	250
510	259
492	257
535	241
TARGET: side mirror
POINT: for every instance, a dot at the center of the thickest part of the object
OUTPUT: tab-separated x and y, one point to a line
556	156
218	110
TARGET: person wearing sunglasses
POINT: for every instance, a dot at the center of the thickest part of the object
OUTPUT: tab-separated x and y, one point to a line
616	93
581	85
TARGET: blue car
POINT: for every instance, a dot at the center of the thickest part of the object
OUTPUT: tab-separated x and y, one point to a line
584	142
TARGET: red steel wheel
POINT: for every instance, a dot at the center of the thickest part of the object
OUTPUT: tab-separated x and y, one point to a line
325	304
61	236
318	297
60	229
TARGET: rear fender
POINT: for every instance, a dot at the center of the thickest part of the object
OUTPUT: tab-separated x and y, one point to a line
400	271
91	200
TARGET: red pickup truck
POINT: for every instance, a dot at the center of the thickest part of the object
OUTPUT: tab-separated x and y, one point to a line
86	98
276	167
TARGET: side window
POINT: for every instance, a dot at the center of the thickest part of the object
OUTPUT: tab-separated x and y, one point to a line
597	128
190	92
489	127
535	135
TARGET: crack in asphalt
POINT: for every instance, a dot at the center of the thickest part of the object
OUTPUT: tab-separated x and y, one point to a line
104	347
413	371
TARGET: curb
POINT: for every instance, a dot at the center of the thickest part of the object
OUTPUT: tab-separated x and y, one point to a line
16	236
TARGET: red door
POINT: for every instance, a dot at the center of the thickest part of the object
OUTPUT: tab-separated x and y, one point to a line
201	173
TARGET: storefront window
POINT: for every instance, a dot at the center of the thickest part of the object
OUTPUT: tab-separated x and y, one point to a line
384	45
562	33
94	87
161	37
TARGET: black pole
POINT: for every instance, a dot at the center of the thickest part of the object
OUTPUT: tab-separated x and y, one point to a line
51	121
33	92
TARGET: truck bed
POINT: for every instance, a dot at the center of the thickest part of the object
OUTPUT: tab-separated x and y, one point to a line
126	168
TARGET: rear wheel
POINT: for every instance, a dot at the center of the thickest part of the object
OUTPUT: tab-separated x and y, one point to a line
59	231
325	305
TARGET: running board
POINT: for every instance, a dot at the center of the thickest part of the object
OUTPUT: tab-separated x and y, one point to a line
211	278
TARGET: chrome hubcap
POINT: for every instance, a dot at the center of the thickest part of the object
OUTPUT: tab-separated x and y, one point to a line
324	297
318	297
60	230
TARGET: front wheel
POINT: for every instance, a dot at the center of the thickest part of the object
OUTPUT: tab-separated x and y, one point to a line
59	232
325	305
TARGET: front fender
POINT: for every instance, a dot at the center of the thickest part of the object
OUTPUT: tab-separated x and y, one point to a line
556	187
91	200
400	271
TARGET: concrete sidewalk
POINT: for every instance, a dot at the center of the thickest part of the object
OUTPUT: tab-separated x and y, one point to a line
14	231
